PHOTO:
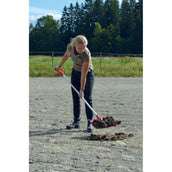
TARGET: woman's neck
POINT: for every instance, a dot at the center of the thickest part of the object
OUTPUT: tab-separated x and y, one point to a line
76	53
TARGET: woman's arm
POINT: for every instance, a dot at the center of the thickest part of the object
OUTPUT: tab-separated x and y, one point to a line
65	57
85	67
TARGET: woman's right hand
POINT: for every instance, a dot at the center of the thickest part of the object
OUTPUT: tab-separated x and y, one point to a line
58	67
65	57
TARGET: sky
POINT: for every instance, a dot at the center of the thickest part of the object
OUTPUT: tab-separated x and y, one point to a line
39	8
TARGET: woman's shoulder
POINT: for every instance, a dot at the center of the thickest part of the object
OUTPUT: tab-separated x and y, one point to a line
86	54
69	47
87	51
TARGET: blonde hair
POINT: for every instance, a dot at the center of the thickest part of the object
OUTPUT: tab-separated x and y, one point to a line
79	40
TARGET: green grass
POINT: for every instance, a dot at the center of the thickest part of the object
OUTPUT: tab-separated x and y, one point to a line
41	66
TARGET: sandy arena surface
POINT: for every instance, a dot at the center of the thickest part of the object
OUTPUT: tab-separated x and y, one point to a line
52	148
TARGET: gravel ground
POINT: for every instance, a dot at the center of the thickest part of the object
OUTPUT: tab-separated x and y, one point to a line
52	148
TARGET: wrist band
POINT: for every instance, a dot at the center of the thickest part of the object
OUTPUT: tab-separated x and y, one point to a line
82	89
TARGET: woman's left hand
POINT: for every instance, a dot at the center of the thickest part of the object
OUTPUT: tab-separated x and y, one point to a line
81	94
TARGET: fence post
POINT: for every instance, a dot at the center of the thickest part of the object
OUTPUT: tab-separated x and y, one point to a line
100	60
52	59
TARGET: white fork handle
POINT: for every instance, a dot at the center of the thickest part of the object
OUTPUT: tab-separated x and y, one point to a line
78	93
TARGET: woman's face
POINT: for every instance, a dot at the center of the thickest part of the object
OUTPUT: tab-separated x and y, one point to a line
80	48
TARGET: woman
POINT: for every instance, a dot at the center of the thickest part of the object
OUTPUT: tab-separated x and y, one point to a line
82	78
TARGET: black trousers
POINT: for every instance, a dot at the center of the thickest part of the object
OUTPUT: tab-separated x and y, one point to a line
75	80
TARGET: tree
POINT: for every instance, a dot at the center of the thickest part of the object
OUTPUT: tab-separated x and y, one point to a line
30	27
64	20
87	20
98	12
45	35
110	39
96	40
132	4
111	13
138	30
78	19
107	27
72	18
125	27
64	28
